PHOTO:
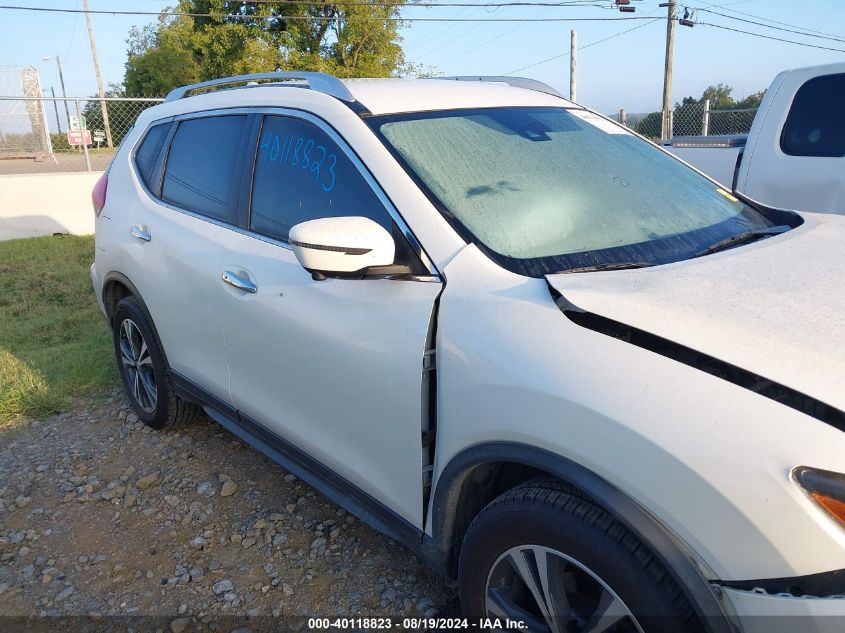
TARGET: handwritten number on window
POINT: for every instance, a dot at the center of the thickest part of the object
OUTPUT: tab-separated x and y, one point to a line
332	162
303	153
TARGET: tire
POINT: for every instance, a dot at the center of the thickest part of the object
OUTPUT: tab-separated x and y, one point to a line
590	559
144	371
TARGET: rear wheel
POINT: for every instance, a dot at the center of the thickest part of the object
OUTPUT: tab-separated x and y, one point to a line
144	371
544	555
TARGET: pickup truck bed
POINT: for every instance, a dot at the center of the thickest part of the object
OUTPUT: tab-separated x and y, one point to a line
716	156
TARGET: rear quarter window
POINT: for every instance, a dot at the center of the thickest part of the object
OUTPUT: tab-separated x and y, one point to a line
147	153
815	125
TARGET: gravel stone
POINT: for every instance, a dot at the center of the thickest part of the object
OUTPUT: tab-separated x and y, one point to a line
148	480
112	518
179	624
223	586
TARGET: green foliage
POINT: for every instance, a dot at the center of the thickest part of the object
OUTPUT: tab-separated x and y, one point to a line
687	119
650	126
346	39
54	344
719	96
122	115
751	101
59	142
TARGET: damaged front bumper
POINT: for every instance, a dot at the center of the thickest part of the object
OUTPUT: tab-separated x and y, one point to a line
807	604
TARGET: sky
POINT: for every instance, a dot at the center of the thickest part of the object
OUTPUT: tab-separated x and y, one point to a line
623	72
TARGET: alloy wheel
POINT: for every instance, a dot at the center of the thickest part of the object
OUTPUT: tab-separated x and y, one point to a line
552	592
137	366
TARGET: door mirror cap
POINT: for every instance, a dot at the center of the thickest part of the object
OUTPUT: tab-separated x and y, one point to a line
328	246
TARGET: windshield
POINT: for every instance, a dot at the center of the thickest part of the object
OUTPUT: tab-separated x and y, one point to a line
544	190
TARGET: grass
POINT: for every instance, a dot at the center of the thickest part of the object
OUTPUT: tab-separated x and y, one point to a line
54	345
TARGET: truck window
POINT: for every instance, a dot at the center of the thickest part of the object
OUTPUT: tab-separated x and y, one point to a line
815	125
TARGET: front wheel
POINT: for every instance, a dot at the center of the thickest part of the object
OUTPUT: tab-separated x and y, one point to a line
144	371
543	555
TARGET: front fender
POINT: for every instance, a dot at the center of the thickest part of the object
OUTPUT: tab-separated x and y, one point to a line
708	460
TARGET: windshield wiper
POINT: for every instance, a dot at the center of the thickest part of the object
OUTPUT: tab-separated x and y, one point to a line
742	238
606	266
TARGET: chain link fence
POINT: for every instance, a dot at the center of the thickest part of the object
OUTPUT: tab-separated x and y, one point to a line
56	134
692	119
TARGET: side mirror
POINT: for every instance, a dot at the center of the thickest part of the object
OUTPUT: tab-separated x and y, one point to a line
327	246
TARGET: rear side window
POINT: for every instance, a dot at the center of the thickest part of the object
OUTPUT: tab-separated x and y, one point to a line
147	153
202	166
815	125
301	174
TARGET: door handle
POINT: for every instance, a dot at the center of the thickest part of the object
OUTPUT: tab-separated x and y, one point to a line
136	230
239	282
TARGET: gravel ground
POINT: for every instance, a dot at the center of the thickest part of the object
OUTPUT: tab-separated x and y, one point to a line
103	519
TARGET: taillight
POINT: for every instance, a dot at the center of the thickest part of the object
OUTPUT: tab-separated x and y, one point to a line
98	193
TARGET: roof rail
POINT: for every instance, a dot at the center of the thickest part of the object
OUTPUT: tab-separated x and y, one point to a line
516	82
321	82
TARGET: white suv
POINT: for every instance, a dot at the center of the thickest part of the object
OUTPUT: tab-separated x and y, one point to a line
505	331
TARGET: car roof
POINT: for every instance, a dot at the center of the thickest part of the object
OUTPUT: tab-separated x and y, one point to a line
386	96
377	96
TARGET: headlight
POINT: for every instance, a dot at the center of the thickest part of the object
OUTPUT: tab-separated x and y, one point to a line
824	487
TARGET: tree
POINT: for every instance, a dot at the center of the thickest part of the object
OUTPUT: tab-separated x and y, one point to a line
347	39
752	100
719	96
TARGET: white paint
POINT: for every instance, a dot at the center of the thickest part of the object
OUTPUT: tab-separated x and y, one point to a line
43	204
335	366
763	613
767	174
773	308
334	237
716	162
709	459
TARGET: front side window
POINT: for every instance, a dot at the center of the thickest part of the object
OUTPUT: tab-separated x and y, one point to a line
201	173
815	125
301	174
542	190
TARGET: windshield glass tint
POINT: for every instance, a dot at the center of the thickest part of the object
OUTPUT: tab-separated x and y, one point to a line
546	189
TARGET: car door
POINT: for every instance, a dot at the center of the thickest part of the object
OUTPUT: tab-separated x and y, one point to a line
333	367
176	235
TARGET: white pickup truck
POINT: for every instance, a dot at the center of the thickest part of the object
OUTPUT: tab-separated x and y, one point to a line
794	154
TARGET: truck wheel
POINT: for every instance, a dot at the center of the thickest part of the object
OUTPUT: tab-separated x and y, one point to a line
144	371
544	555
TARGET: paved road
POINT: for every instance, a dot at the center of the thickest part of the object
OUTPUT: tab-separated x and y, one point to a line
56	164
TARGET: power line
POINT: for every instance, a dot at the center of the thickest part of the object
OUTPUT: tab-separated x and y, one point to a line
236	16
776	28
447	29
486	42
566	54
770	37
403	4
765	19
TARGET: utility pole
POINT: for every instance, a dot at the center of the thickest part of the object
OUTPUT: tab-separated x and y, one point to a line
62	82
56	108
100	91
666	127
573	63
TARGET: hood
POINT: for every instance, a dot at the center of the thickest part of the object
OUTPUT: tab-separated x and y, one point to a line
775	308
